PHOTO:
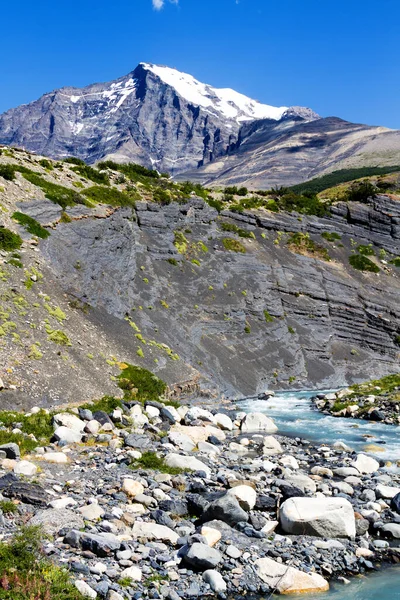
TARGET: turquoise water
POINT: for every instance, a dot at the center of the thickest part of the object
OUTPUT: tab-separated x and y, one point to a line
377	586
294	415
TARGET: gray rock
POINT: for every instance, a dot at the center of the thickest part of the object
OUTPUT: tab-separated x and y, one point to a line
201	557
227	509
215	581
52	520
11	450
69	436
324	517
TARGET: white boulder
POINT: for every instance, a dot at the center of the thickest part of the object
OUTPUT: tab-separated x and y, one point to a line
323	517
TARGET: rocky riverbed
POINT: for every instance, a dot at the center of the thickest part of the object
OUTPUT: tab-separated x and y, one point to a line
152	501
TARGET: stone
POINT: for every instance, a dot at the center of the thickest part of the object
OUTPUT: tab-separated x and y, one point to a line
322	471
269	527
215	581
395	503
302	482
113	595
53	519
208	448
102	544
227	509
196	413
245	495
256	421
187	463
132	488
183	441
343	487
289	461
365	464
386	491
391	530
223	422
69	436
342	446
288	580
198	433
346	471
152	411
69	421
24	467
153	531
28	493
91	512
323	517
201	557
233	552
211	535
171	414
133	573
62	503
84	589
92	427
11	450
271	446
55	457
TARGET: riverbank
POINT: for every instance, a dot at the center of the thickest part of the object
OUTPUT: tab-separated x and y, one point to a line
155	501
377	400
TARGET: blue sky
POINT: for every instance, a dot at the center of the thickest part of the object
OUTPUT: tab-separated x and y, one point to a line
338	57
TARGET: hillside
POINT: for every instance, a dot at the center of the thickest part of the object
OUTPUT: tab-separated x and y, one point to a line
141	270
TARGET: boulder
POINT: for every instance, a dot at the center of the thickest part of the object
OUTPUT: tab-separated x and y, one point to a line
215	581
183	441
223	422
53	519
69	421
101	544
271	446
198	433
55	457
395	503
91	512
69	436
245	495
132	488
186	462
211	535
11	450
171	414
391	530
24	467
323	517
201	557
132	573
365	464
227	509
153	531
84	589
288	580
386	491
302	482
257	422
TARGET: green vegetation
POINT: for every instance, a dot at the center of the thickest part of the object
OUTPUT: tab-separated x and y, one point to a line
26	574
180	242
362	263
268	318
31	225
9	240
231	227
93	174
7	172
140	384
106	404
56	193
39	425
151	461
234	190
8	507
319	184
366	250
46	164
301	243
395	261
233	245
331	236
106	195
57	336
132	171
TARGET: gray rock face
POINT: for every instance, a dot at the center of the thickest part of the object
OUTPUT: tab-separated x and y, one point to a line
142	117
52	520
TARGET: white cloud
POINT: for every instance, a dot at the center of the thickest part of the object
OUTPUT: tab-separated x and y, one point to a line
159	4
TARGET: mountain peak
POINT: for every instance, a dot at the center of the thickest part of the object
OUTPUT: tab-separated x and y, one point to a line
227	102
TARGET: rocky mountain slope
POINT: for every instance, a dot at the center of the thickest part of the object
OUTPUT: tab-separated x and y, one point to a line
153	116
158	116
230	303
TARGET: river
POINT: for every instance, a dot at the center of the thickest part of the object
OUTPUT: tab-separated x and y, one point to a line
295	416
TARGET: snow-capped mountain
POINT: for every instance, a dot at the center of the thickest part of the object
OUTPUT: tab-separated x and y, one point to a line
155	115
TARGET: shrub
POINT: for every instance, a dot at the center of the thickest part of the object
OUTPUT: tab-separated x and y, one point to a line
217	204
268	318
231	227
362	263
8	507
46	164
105	195
31	225
73	160
131	170
141	384
7	172
342	176
395	261
366	250
106	404
303	244
331	236
233	245
9	240
151	461
93	174
360	191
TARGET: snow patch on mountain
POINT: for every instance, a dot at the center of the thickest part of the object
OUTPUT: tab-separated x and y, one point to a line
229	103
